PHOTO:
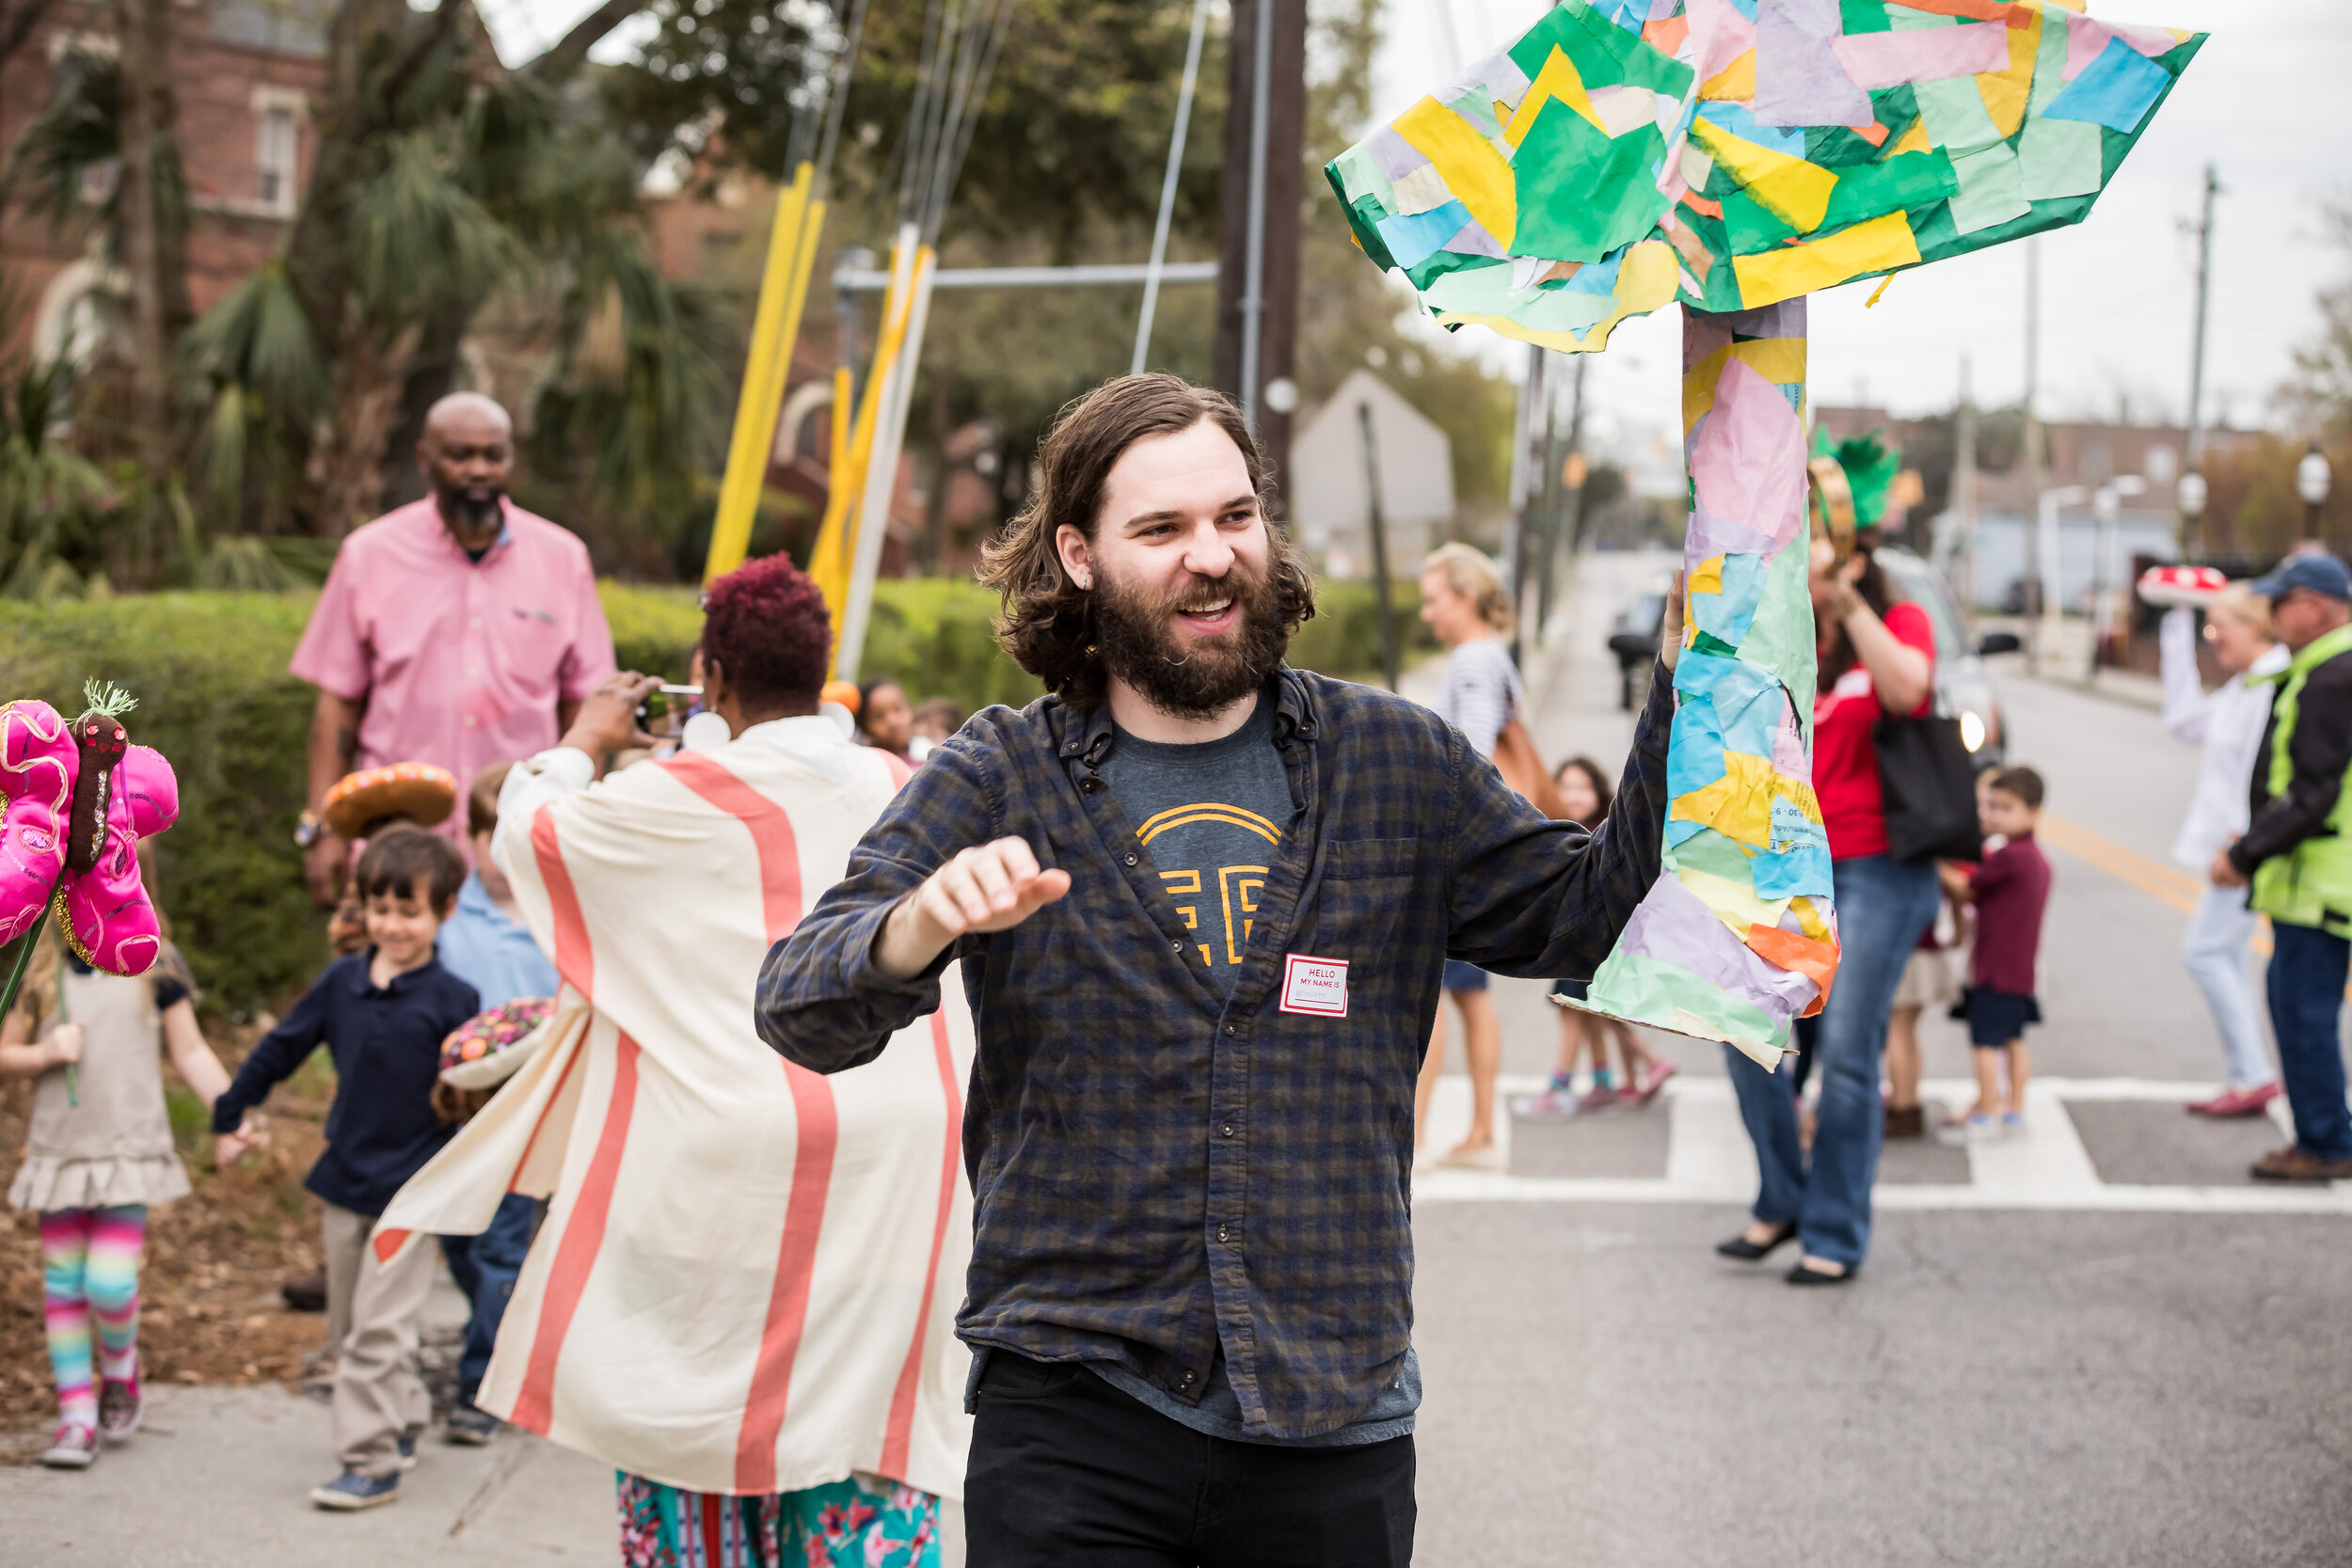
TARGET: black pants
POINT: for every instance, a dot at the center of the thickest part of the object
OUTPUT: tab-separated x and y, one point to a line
1067	1470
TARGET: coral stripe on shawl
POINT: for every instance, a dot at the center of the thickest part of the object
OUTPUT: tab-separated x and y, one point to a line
748	1277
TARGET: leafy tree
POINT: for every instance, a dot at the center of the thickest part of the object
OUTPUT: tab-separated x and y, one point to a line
1352	315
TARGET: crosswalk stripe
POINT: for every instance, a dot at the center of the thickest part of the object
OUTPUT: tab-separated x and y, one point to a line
1708	1159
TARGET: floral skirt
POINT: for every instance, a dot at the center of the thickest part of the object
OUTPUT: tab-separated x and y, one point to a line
855	1522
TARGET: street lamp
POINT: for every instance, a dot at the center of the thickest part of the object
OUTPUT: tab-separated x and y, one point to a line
2311	479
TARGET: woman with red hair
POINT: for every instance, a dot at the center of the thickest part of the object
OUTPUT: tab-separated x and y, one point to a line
743	1296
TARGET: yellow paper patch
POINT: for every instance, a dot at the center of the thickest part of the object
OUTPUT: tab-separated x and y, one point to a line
1708	578
1558	79
1478	176
1809	918
1790	189
1733	903
1734	83
1778	360
1913	140
2005	92
1815	264
1739	804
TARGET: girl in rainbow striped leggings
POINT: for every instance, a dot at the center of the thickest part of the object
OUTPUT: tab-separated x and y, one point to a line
98	1154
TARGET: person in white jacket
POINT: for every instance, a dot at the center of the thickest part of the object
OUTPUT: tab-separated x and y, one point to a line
2228	722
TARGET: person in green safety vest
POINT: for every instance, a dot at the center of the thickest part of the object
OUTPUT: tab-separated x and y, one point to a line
2296	852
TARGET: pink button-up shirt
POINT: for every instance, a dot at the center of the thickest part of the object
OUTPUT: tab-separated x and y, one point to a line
458	664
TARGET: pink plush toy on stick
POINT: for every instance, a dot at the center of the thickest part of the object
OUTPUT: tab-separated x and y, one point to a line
78	796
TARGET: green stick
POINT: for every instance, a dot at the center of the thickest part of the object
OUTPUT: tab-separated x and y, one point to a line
72	1069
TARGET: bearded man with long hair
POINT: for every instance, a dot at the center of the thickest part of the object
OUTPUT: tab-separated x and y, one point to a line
1203	902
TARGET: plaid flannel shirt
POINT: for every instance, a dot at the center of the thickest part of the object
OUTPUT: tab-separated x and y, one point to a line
1159	1169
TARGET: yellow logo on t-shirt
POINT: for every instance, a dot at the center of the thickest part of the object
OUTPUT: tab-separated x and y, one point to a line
1236	888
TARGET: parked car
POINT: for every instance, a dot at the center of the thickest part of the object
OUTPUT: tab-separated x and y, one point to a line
1964	687
1633	638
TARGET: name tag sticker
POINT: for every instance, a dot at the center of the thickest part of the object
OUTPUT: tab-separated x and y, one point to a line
1315	986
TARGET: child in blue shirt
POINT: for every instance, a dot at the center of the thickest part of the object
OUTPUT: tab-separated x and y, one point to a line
381	1013
486	943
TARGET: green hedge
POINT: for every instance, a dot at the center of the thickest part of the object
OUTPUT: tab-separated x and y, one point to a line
214	696
209	671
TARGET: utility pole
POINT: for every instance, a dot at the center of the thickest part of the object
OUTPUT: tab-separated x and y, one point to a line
1257	215
1567	496
1526	478
2044	575
2193	461
1964	500
1533	556
1373	526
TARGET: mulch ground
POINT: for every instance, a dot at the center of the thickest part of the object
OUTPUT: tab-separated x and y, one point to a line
210	1312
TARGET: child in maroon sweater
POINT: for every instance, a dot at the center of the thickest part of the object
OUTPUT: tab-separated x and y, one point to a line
2009	891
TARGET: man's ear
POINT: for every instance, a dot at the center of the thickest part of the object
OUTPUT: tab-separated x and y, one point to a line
424	460
1076	560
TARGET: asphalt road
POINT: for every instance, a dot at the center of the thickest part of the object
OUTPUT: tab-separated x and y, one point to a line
2066	1384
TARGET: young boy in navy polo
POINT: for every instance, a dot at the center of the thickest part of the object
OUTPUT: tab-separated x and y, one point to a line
381	1013
2010	890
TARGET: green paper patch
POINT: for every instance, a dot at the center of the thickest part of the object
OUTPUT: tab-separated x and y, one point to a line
1652	990
1711	851
1584	193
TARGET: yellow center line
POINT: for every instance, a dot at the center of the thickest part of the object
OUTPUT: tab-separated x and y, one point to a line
2167	884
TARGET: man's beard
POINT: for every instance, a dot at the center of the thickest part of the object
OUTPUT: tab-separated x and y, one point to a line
1194	680
473	511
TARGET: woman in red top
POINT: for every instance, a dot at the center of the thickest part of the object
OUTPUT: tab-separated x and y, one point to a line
1876	657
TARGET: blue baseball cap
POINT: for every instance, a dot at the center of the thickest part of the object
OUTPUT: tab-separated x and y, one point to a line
2316	573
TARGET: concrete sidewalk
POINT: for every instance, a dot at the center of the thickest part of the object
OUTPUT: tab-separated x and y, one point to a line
222	1477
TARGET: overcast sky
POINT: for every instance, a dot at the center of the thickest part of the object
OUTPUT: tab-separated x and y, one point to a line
2118	290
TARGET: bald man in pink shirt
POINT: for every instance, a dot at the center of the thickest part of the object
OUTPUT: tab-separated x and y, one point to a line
458	630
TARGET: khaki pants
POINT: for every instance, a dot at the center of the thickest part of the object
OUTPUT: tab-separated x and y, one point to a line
372	1314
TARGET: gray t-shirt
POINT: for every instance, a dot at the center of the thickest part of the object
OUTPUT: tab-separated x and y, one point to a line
1211	816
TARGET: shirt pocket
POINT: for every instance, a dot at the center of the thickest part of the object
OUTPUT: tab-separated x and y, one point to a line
1361	909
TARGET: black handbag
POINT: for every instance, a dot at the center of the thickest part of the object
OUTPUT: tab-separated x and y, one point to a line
1927	786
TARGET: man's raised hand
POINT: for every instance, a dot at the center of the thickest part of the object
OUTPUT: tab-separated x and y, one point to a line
991	887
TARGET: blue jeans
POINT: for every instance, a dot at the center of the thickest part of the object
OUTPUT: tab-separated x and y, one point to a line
484	1267
2307	973
1884	909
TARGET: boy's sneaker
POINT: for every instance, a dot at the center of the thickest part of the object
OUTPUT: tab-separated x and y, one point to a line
119	1405
469	1426
354	1490
1968	1133
74	1447
2013	1124
1603	1092
408	1450
1557	1102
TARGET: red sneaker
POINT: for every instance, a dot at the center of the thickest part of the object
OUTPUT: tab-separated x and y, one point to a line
2236	1102
1653	1079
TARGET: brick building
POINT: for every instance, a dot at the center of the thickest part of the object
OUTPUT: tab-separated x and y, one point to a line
245	73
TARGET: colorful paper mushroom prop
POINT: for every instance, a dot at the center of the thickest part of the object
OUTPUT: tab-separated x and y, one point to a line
1736	155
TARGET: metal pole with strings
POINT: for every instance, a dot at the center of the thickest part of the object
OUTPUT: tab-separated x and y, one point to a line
1167	187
